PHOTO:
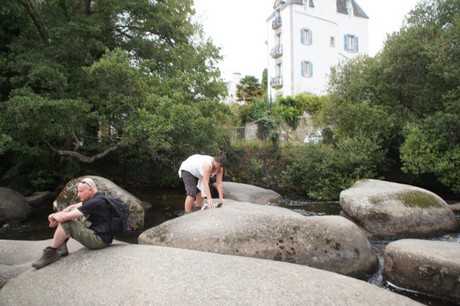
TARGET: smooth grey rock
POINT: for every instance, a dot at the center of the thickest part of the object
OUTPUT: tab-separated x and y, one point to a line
16	256
394	210
430	267
331	243
129	274
13	205
40	199
249	193
68	196
455	207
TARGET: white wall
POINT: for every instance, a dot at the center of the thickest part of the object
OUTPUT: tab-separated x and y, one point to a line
324	22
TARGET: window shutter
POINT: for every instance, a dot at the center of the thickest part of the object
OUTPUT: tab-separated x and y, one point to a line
345	42
311	69
302	34
310	37
302	68
357	45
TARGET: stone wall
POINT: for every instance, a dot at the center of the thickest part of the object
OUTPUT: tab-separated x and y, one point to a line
305	128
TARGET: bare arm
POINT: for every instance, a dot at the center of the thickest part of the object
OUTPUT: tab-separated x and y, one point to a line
220	190
63	216
206	177
72	207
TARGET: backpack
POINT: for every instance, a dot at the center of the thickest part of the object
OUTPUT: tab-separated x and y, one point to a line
120	226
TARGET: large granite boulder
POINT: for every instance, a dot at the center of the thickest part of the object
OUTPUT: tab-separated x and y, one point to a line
16	256
330	243
13	205
430	267
394	210
40	199
249	193
130	274
68	196
455	207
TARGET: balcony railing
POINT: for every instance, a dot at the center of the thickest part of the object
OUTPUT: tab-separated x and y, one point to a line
277	81
277	51
276	23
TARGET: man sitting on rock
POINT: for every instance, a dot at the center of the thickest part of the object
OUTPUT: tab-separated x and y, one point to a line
97	235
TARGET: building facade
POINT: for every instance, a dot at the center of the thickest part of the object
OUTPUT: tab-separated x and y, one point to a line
232	88
306	38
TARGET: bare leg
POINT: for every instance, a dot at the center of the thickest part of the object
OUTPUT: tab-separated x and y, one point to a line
188	203
199	200
59	238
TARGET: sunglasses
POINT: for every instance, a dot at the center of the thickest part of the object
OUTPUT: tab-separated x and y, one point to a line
83	182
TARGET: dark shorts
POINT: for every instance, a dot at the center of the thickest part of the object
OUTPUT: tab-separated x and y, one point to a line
86	236
190	183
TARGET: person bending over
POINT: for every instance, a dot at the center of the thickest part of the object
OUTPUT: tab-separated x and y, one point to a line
196	171
93	233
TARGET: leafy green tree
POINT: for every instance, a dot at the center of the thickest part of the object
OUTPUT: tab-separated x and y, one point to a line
288	110
432	142
264	82
248	89
253	111
322	171
433	146
81	80
405	97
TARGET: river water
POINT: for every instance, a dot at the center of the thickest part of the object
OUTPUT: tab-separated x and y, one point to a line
169	206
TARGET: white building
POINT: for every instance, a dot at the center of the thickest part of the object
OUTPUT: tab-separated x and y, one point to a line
306	38
231	88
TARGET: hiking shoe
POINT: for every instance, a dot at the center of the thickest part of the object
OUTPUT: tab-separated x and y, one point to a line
62	250
49	256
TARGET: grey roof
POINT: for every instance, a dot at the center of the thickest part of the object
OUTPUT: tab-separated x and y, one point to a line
341	6
357	10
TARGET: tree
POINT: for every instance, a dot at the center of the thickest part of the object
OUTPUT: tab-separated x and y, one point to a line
248	89
88	78
432	143
405	97
288	110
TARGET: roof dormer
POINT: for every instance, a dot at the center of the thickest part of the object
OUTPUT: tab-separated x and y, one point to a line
278	3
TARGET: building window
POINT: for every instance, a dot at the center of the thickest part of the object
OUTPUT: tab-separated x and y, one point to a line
349	8
351	43
307	3
277	80
332	42
306	36
306	69
279	68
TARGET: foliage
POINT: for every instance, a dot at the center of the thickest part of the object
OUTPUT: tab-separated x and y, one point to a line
406	97
432	143
433	146
80	81
257	163
312	103
355	80
288	110
264	82
323	171
265	128
249	89
249	112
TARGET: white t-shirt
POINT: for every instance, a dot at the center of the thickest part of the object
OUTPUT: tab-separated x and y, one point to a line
195	165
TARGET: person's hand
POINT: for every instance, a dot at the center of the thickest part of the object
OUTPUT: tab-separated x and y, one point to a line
211	204
223	202
52	220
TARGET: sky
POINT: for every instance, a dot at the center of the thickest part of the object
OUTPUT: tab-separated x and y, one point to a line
239	28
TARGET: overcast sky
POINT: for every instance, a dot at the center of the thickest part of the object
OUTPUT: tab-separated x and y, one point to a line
239	28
